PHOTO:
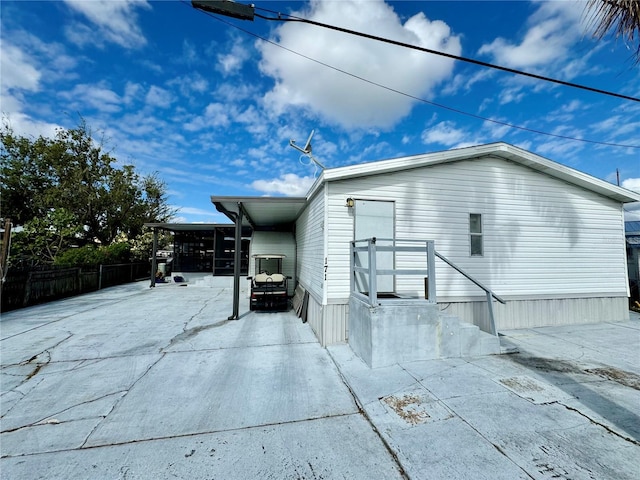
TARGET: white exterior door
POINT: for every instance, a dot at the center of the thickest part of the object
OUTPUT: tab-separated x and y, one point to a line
375	218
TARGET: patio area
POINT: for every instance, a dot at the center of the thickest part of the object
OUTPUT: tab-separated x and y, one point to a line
133	382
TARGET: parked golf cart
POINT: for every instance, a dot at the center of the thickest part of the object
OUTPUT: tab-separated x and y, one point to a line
269	290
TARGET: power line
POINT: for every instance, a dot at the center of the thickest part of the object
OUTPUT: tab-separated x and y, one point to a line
436	52
445	107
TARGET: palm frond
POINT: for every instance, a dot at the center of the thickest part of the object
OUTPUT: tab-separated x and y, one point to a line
622	17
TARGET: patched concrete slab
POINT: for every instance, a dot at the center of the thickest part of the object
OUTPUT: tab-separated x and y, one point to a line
199	392
157	383
534	390
562	407
342	447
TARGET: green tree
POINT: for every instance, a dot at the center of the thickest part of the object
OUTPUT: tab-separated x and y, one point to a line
68	191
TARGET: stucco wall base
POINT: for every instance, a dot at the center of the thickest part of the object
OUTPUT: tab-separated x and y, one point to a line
402	332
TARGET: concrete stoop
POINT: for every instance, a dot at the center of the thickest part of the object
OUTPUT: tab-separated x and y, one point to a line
472	342
397	332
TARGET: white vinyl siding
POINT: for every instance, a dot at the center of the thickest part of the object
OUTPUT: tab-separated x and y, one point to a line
310	231
541	236
339	237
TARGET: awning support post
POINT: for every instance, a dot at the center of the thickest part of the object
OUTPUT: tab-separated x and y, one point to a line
237	260
154	265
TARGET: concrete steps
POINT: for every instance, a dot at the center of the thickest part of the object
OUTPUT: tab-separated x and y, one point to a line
461	339
397	332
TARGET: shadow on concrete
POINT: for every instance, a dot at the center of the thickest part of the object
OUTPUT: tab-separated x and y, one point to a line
563	375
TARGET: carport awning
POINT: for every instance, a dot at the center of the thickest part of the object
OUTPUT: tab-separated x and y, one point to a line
186	227
261	212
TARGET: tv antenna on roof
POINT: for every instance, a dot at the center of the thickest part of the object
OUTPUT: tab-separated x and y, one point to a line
307	149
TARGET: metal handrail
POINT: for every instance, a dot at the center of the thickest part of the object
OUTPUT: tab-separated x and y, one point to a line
488	291
372	248
372	271
473	280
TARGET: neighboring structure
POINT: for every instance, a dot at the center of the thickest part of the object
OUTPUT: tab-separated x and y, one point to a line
546	238
203	247
632	232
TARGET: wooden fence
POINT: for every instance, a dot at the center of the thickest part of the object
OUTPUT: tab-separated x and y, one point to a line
22	288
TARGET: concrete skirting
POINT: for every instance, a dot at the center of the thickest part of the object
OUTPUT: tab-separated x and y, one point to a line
404	331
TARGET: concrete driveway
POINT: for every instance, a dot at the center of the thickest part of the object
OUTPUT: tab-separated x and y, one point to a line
133	382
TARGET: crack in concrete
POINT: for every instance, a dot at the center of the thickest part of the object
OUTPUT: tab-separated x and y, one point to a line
120	400
93	306
23	394
365	415
184	435
38	366
188	333
35	357
600	424
453	411
50	419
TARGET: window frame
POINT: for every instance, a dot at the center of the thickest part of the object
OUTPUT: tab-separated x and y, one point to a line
476	235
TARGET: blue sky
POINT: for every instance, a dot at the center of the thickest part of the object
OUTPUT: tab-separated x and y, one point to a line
210	103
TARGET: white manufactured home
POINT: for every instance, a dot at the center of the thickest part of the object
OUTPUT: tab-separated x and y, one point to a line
545	239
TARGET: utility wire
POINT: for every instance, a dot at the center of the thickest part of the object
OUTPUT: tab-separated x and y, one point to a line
436	52
445	107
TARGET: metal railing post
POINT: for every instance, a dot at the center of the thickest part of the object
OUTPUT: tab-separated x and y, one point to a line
352	264
373	275
492	319
431	267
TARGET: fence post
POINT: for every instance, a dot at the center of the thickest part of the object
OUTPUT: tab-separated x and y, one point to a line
100	278
27	290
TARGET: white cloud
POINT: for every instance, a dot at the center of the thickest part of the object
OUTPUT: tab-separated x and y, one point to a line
342	99
18	70
511	95
25	125
132	91
215	115
552	29
632	184
444	133
288	184
616	126
116	22
465	82
98	96
190	84
496	131
231	63
559	147
159	97
189	53
632	212
22	73
233	92
199	211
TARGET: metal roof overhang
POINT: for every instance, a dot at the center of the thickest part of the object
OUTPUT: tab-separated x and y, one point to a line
262	212
187	227
500	150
